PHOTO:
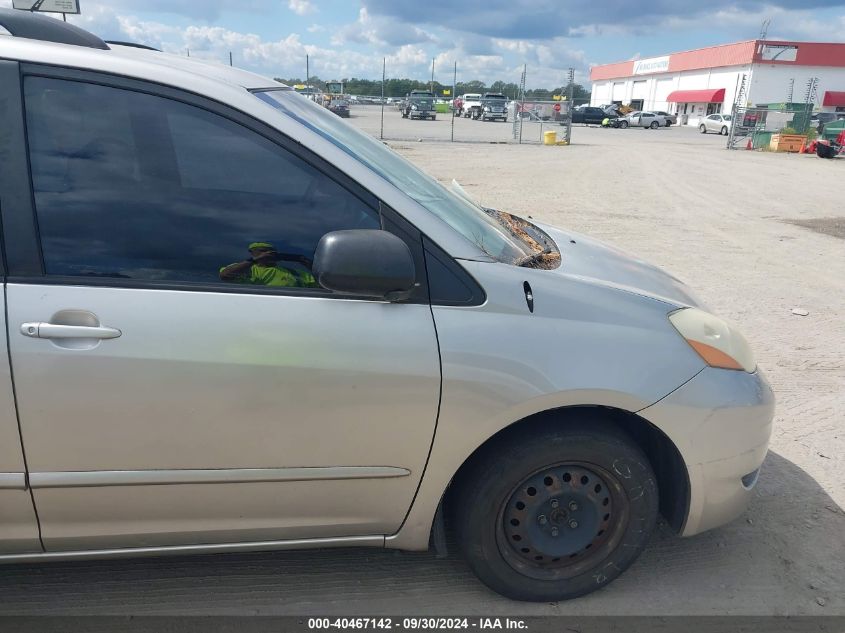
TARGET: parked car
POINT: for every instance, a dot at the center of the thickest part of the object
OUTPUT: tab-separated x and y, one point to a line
671	119
719	123
589	115
419	104
648	120
494	106
380	352
340	107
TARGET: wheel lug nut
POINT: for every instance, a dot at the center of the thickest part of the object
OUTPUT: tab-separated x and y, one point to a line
555	503
554	532
573	505
542	519
573	524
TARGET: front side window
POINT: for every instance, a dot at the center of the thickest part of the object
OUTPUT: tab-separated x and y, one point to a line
495	239
132	185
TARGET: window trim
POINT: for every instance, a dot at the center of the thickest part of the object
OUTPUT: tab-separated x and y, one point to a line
26	262
16	212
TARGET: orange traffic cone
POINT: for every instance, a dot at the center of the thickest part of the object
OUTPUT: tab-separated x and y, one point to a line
748	145
803	149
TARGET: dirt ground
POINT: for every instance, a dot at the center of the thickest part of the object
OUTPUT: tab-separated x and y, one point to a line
725	222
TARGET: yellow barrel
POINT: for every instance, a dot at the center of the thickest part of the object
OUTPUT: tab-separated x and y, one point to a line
549	138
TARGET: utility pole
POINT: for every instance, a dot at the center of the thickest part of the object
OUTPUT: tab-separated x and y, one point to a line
230	58
307	71
570	94
454	96
764	29
431	83
383	74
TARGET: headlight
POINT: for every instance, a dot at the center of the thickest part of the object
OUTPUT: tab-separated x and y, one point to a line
413	107
718	343
486	109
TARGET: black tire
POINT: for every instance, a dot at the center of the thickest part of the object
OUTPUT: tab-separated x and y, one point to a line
724	130
433	117
702	129
654	125
623	125
668	123
529	510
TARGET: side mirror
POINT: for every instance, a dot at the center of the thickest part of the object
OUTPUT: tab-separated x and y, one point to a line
365	262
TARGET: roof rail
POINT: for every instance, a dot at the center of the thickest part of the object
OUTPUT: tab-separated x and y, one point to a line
133	45
38	27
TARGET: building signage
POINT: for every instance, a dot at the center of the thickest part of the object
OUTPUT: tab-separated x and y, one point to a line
778	53
651	65
48	6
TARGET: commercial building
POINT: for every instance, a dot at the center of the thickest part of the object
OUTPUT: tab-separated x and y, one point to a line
694	84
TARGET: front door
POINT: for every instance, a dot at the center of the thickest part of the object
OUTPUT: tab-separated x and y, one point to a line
179	377
18	524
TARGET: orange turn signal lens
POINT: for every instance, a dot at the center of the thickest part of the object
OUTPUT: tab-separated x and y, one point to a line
713	356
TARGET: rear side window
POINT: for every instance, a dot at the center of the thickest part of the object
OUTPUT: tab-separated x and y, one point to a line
132	185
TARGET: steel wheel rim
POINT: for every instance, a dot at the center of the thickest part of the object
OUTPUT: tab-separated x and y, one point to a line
576	516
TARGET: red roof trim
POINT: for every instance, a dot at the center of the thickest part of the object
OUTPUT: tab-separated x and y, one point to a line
736	54
739	54
612	71
834	98
697	96
809	54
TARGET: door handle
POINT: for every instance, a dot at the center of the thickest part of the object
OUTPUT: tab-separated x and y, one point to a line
51	330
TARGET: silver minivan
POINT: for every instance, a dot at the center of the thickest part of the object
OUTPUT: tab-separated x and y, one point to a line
235	322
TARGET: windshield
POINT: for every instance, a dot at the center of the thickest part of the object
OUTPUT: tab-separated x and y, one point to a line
464	217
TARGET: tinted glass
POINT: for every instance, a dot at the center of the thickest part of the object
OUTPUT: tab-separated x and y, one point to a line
464	217
137	186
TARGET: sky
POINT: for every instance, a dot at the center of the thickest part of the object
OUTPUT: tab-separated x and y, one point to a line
489	39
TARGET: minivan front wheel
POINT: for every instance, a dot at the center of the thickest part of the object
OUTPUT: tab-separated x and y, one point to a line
559	514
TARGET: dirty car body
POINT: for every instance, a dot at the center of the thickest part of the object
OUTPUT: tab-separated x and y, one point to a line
549	392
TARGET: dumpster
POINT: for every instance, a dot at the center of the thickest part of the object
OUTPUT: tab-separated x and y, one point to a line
832	130
761	139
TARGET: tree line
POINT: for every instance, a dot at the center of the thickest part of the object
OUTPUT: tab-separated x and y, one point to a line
401	87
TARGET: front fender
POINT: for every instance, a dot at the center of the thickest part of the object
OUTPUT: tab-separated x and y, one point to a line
584	345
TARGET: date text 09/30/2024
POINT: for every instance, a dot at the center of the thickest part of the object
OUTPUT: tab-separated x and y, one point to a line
416	624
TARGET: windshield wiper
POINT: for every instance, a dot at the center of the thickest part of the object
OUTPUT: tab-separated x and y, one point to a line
534	257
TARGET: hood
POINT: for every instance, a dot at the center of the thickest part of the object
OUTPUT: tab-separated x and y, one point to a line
588	259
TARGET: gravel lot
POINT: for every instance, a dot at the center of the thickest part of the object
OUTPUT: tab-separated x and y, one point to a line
725	222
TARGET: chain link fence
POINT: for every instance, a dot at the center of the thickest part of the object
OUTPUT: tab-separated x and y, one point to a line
465	118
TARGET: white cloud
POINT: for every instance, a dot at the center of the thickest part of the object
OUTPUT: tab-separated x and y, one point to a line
301	7
734	23
380	32
498	59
